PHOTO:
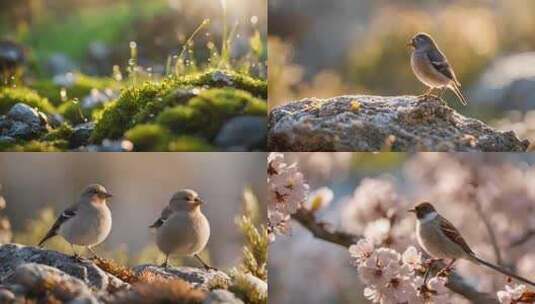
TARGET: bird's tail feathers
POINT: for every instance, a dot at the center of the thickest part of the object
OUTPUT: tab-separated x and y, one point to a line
501	270
46	238
456	88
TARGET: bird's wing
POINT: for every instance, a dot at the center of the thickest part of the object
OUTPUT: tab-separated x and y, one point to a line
166	212
439	62
453	234
64	217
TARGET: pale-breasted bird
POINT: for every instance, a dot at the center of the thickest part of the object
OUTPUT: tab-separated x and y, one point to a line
440	239
87	222
182	228
432	68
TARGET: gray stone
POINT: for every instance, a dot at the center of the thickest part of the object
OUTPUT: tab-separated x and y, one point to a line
222	296
247	132
13	255
375	123
97	98
59	63
24	113
24	122
509	84
32	276
6	295
7	140
197	277
81	134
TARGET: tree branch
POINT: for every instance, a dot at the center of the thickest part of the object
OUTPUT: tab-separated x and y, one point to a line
456	283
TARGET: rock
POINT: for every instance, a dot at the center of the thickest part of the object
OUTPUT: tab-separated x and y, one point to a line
243	133
7	140
373	123
38	278
509	84
14	255
24	113
22	121
65	80
11	56
81	134
59	63
6	295
222	296
197	277
222	79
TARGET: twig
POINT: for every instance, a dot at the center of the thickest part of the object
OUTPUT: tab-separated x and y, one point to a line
526	237
456	283
490	231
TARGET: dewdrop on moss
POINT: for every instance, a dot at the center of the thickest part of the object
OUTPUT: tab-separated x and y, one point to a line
63	94
117	75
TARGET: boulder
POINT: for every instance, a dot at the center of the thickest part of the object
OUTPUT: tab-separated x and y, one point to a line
243	133
375	123
197	277
508	84
23	121
222	296
13	255
37	280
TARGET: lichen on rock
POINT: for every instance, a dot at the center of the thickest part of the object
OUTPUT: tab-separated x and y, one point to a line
400	123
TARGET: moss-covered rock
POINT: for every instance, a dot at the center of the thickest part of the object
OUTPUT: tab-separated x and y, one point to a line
10	96
148	137
36	146
78	86
149	102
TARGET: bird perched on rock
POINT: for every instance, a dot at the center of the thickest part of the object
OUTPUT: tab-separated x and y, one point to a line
12	56
432	68
440	239
87	222
182	228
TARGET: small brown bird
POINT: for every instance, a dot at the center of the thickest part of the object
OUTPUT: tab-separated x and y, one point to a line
440	239
182	228
432	68
87	222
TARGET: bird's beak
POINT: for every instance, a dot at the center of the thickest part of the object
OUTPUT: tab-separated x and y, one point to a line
412	210
199	202
107	195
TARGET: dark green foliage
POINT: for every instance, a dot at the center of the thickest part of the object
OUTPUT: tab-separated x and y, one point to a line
148	137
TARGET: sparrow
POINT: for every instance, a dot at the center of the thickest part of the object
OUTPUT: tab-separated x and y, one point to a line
182	228
432	68
87	222
441	240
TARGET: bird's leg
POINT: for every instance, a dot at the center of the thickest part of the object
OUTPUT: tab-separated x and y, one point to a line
165	264
427	93
206	266
95	256
447	268
429	265
76	256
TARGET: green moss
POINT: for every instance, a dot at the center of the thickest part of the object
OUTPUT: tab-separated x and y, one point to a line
145	103
64	132
148	137
205	114
189	144
36	146
11	96
74	113
211	78
81	87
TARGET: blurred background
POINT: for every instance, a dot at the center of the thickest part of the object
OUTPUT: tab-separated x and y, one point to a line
328	48
366	186
93	35
37	187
